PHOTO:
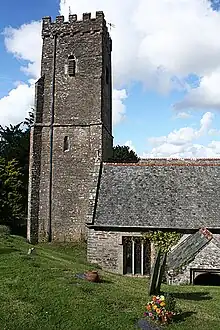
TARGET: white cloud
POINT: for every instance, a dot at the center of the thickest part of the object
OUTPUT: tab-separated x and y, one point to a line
213	132
25	44
15	106
158	43
118	107
183	115
181	143
161	42
130	145
184	135
206	95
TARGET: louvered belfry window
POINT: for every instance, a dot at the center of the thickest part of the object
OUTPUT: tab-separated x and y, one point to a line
71	66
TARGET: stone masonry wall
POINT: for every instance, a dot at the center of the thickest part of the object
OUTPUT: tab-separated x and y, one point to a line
74	107
105	248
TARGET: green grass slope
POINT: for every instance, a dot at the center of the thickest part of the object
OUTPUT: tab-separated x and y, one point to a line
41	292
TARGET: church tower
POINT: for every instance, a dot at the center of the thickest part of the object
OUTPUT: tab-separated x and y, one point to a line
73	125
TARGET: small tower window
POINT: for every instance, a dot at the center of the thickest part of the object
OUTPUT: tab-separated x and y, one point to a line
71	66
107	75
66	143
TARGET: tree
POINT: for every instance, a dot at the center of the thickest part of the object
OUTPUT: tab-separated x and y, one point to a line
14	146
123	154
11	199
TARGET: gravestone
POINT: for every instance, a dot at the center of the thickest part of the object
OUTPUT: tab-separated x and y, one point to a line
146	325
161	272
186	250
157	273
32	251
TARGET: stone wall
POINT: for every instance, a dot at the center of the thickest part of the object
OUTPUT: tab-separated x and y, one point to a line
74	107
105	248
208	258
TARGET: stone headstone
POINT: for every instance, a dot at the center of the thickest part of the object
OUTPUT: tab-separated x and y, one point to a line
154	274
32	251
161	272
146	325
157	273
186	250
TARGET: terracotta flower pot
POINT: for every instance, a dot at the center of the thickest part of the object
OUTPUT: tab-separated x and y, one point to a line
92	276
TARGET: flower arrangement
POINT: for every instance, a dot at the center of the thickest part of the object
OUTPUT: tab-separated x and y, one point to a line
161	309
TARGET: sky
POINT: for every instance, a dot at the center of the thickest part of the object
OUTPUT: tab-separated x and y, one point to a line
166	70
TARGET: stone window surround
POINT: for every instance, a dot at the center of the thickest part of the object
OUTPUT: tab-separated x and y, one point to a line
133	255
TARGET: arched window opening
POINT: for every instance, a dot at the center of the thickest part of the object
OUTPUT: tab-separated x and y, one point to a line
66	143
71	66
107	75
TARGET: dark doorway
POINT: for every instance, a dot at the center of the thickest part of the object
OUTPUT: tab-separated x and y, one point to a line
208	278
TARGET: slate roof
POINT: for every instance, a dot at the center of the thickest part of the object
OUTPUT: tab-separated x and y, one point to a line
178	194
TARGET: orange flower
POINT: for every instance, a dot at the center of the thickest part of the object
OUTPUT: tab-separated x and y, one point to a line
154	298
158	310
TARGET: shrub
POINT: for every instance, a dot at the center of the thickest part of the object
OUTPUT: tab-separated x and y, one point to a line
4	230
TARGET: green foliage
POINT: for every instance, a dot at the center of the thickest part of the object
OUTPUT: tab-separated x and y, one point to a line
4	230
163	240
14	154
123	154
11	199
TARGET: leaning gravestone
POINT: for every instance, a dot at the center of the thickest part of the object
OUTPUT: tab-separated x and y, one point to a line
32	251
161	272
186	251
157	273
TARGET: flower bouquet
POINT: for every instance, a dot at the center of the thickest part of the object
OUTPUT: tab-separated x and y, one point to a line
161	309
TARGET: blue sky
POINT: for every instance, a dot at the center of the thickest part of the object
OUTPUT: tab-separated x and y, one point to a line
166	70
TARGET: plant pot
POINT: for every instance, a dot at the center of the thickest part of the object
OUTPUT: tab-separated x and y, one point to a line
92	276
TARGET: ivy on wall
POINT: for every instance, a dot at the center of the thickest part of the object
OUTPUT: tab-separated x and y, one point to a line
162	240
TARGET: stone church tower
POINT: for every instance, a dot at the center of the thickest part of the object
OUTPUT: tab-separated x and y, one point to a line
73	125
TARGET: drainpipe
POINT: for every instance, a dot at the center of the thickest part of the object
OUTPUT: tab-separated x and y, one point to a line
51	139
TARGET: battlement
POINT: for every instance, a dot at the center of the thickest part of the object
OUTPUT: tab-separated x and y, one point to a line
74	24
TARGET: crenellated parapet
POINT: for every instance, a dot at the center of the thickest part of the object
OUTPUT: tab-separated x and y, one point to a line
74	25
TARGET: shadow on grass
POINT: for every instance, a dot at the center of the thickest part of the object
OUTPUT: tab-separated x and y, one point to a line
7	250
197	296
105	281
183	316
101	281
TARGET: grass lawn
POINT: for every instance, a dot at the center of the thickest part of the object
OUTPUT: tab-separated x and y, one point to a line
41	292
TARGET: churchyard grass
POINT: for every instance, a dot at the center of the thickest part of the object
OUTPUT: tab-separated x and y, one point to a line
40	292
